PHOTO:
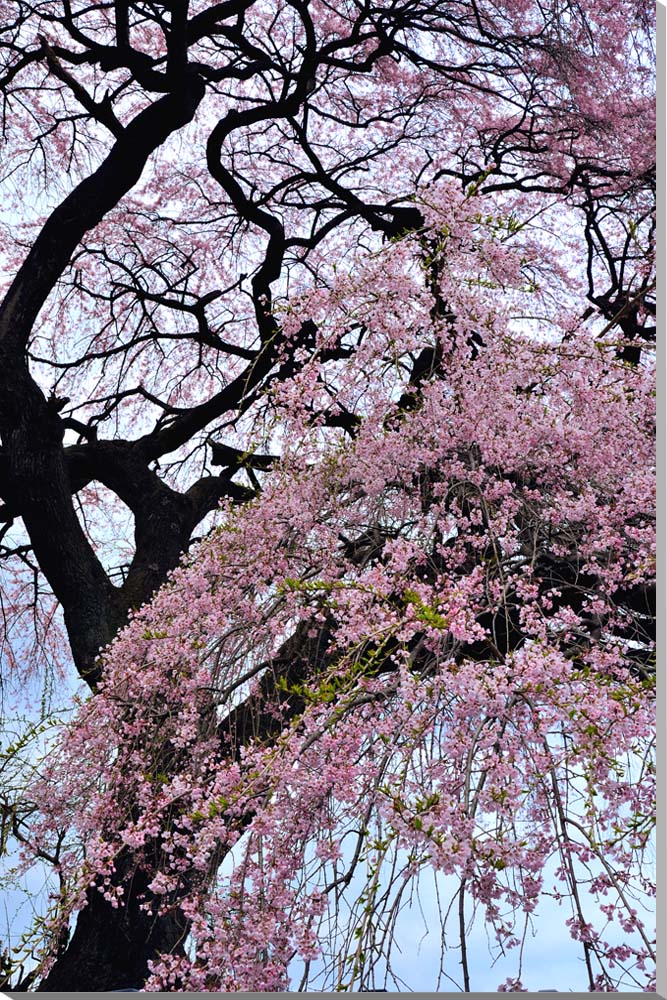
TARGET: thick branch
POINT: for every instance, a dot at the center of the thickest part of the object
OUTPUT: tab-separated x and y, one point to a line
35	464
86	206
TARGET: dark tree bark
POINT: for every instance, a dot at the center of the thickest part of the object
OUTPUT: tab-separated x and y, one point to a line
112	946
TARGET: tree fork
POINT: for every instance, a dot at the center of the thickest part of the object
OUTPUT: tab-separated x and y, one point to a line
35	465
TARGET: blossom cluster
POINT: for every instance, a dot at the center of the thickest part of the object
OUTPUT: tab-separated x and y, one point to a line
424	645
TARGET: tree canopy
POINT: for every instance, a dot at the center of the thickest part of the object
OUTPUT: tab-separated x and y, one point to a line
327	423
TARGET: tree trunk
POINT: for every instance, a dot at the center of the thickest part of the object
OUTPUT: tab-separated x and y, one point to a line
111	946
